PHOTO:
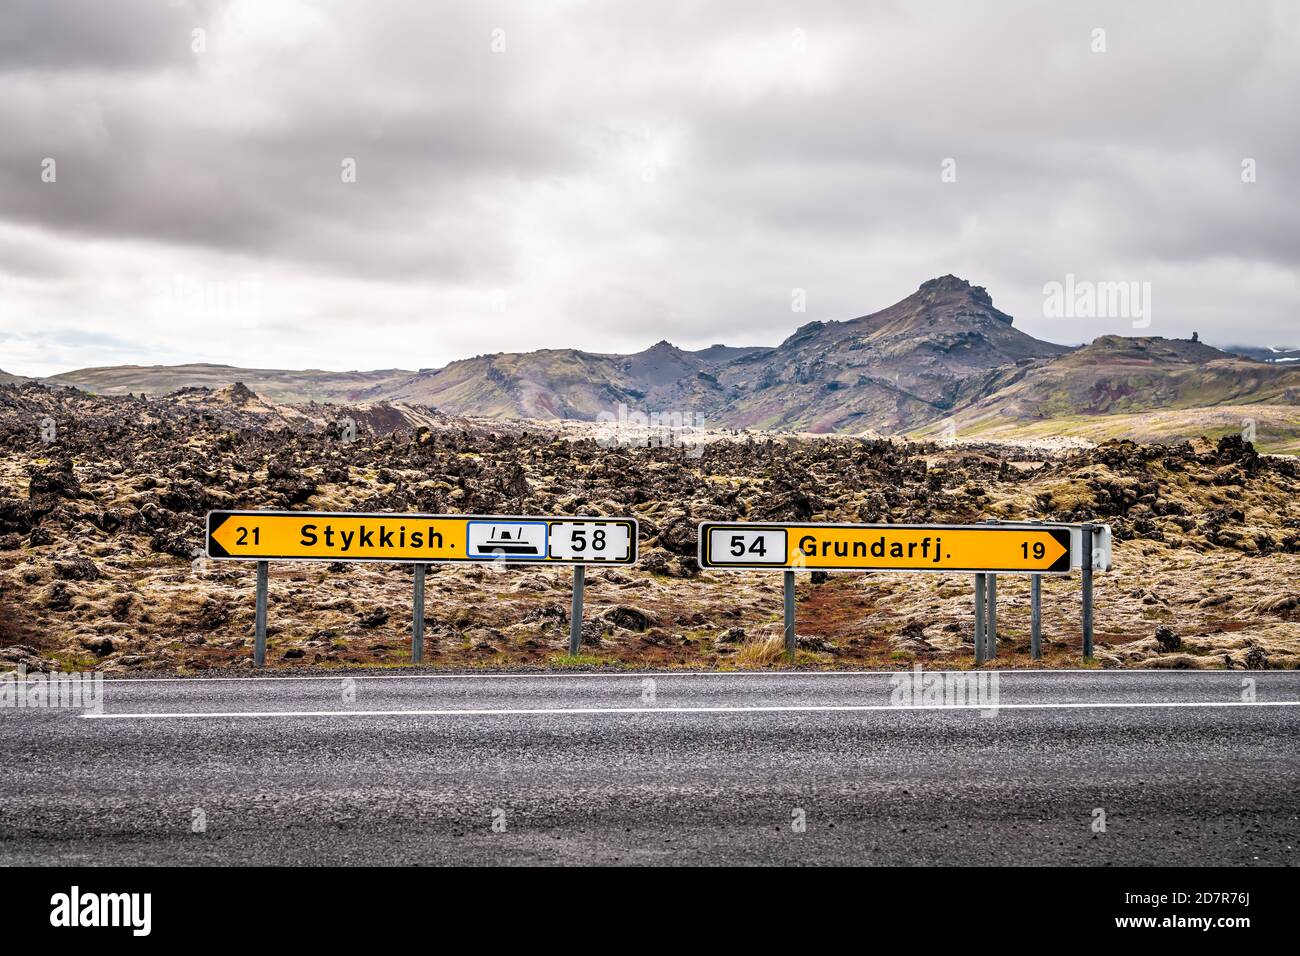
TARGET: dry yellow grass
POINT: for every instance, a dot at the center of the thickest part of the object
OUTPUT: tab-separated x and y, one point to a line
760	652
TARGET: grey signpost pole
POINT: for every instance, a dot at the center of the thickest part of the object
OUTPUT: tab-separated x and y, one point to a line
417	617
1086	564
1036	616
991	599
789	616
991	632
575	614
259	638
979	619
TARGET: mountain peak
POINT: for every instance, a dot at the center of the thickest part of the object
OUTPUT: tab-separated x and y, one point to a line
955	284
946	303
661	351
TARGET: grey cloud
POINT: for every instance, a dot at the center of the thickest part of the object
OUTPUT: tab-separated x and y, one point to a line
43	35
639	170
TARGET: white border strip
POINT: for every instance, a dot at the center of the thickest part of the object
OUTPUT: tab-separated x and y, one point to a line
777	709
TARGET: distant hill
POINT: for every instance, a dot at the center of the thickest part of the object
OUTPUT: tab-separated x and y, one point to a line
1146	388
231	406
1115	375
1264	353
567	383
943	354
277	385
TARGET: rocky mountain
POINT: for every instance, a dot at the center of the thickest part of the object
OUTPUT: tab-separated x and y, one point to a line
904	365
943	354
899	367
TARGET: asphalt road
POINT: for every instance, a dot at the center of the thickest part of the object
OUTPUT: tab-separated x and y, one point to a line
693	768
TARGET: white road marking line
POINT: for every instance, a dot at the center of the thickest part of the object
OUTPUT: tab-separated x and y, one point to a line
638	675
775	709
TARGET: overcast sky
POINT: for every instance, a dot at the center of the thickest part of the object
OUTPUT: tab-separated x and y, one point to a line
604	175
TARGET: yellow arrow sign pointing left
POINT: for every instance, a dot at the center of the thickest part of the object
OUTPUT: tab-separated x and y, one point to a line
306	536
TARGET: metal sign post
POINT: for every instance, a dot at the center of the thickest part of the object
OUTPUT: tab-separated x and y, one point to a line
421	540
789	616
417	619
980	619
991	632
575	612
991	608
259	616
1087	592
1036	617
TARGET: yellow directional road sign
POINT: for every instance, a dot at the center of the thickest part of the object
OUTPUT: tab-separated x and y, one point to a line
338	536
886	547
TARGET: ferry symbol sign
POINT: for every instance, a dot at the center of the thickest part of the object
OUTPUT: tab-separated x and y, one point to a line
516	541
